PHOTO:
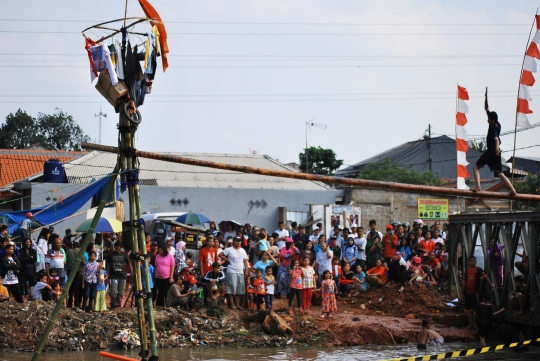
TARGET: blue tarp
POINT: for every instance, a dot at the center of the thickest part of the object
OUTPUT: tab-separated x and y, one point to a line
58	211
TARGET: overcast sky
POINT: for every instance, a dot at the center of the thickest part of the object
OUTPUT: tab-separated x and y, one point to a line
264	68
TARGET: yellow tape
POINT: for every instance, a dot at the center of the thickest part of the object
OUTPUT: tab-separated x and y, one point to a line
459	353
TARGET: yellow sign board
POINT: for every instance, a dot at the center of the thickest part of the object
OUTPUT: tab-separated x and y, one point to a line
432	209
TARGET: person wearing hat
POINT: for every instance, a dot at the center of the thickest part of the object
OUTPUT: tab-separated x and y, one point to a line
237	271
170	249
353	233
492	156
315	236
390	243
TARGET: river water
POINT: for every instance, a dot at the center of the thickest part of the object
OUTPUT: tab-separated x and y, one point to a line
371	353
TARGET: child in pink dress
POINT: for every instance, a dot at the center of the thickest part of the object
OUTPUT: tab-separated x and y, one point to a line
328	290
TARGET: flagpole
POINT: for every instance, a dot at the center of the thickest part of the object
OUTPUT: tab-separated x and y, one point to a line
517	103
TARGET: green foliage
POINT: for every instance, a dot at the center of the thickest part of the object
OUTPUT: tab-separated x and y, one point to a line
389	171
531	185
56	131
18	131
320	161
479	145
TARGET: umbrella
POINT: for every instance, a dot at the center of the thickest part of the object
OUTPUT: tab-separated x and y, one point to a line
104	225
193	218
223	225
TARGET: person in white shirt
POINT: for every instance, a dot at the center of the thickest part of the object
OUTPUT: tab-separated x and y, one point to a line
315	236
437	237
236	271
360	241
283	234
323	260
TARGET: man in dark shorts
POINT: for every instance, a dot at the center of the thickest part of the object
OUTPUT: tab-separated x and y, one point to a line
492	156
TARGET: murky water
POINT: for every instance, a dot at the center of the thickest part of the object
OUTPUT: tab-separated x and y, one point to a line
371	353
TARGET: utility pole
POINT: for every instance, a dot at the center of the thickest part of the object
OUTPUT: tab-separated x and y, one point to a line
100	114
429	148
427	138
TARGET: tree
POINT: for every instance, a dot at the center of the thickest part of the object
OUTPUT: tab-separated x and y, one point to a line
531	185
479	145
19	131
319	161
54	132
60	131
389	170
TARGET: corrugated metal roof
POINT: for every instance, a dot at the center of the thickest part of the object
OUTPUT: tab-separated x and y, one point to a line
415	155
160	173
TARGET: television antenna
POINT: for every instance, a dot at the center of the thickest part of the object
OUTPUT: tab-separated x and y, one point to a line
100	114
310	125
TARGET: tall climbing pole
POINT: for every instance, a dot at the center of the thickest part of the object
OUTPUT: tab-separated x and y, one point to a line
129	165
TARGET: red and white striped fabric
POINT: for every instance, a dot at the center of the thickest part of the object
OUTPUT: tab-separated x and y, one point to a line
461	138
527	79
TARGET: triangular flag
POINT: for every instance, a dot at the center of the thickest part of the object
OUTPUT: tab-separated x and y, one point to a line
461	119
524	92
527	78
462	93
538	21
523	106
523	122
529	64
533	50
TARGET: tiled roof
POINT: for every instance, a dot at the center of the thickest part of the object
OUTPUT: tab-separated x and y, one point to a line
96	164
18	164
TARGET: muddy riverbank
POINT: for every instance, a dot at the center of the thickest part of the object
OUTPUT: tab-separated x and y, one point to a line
380	317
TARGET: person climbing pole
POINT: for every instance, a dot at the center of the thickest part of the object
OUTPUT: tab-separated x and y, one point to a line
492	156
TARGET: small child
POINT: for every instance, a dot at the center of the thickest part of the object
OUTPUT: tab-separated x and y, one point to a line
296	285
189	259
308	284
57	292
90	280
360	284
100	304
41	285
53	276
346	282
260	288
329	290
336	272
269	280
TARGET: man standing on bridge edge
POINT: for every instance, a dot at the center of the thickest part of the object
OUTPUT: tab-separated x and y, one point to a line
492	156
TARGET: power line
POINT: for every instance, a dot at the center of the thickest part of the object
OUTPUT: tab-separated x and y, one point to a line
280	34
239	101
278	66
254	95
275	23
279	56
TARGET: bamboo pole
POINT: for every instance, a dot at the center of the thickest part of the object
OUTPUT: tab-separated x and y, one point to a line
517	104
321	178
126	137
135	190
76	266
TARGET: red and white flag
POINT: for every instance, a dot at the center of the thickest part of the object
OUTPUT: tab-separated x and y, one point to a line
462	137
527	80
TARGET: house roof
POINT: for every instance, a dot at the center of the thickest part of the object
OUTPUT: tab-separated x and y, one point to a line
18	164
161	173
415	155
533	159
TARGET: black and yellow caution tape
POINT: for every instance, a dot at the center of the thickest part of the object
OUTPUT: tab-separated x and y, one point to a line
469	352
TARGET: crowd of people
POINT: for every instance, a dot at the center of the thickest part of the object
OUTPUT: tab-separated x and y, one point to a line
243	267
